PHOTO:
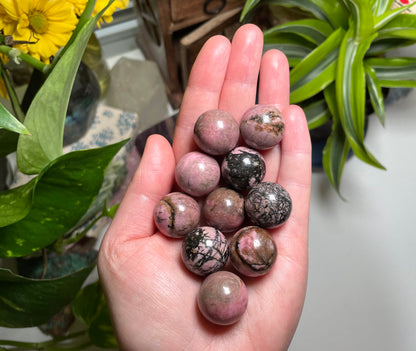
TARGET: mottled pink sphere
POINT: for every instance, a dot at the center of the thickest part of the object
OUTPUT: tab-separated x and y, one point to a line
253	251
223	208
268	205
262	127
197	174
216	132
223	298
176	214
205	250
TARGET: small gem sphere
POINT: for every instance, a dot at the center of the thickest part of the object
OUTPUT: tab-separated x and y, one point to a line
243	168
253	251
223	298
223	209
216	132
176	214
262	127
205	250
268	205
197	174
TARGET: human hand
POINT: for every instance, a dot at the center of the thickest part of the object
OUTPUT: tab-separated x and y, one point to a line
151	295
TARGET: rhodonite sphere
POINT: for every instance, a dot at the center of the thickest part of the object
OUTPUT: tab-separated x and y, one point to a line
262	126
216	132
223	298
223	209
253	251
197	174
176	214
205	250
243	168
268	205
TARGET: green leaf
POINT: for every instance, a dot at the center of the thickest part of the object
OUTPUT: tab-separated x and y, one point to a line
317	70
317	113
249	7
101	330
26	302
313	30
401	27
46	115
15	203
9	122
394	72
375	92
111	211
294	47
337	147
328	11
381	6
91	308
381	46
64	191
361	20
87	303
387	17
350	93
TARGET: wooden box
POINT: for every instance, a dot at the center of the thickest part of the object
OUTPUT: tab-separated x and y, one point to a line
171	32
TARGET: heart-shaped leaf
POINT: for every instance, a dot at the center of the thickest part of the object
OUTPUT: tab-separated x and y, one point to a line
64	191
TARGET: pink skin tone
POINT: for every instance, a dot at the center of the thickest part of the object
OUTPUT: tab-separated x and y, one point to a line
151	296
197	174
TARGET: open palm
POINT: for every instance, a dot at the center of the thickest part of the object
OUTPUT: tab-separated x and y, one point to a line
152	296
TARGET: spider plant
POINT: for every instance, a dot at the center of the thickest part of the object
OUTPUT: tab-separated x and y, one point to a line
341	56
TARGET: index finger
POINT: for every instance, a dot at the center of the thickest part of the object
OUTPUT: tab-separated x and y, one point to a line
202	92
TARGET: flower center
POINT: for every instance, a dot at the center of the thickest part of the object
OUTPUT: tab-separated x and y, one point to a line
38	22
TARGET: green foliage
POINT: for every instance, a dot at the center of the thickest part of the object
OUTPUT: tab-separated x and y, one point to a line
90	307
338	59
26	302
9	122
40	216
61	194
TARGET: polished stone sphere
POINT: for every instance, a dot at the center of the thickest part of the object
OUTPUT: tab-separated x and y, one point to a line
176	214
197	174
223	298
268	205
253	251
205	250
216	132
262	127
223	209
243	168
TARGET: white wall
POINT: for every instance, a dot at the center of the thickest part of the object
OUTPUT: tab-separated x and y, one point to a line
362	278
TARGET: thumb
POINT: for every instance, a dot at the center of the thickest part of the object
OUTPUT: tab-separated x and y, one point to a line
153	179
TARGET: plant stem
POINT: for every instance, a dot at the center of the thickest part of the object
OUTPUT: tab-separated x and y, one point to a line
12	94
39	65
80	235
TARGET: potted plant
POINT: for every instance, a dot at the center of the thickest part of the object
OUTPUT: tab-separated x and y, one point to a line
341	59
39	220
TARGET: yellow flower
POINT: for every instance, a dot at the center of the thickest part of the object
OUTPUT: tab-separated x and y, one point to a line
47	24
79	6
